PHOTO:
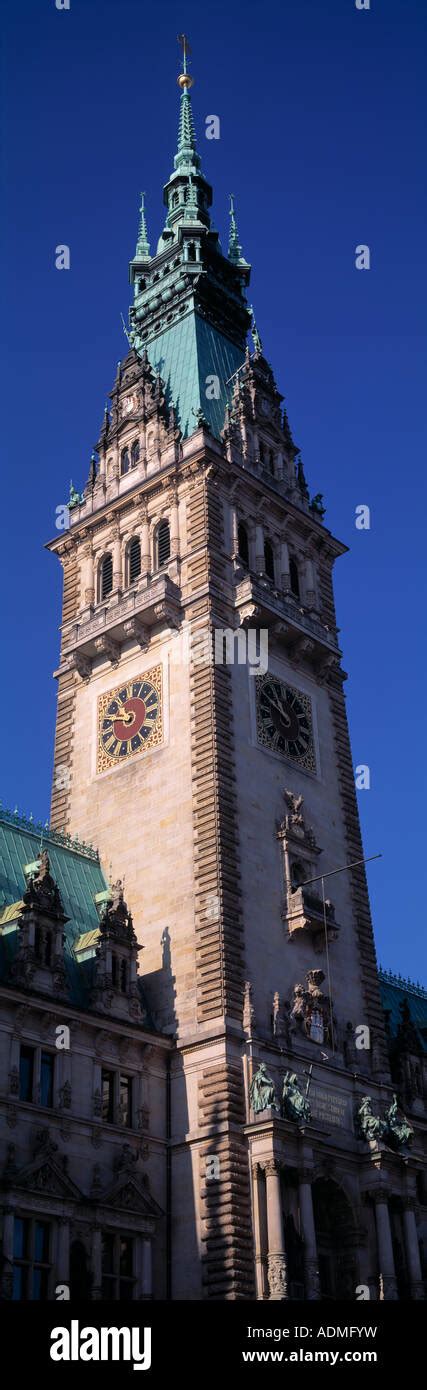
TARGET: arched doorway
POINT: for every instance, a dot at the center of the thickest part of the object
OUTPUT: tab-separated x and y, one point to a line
335	1235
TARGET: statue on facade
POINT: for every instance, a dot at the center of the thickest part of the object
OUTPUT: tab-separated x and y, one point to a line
367	1125
397	1132
295	1105
262	1091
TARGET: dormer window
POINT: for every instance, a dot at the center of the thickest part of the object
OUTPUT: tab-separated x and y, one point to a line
124	461
243	544
269	560
106	575
294	578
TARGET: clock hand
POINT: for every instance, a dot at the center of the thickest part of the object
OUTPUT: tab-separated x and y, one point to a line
281	711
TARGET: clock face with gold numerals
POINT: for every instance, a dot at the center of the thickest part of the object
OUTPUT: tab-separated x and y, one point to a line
284	720
130	719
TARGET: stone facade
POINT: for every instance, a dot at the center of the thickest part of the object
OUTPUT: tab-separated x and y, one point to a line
220	788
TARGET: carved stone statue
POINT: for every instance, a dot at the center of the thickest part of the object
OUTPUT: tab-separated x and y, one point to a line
295	1105
311	1009
368	1125
397	1132
262	1091
280	1019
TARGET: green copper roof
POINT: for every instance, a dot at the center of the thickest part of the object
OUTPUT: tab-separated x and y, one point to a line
186	354
186	157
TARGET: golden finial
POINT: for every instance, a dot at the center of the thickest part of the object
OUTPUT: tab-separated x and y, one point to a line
185	80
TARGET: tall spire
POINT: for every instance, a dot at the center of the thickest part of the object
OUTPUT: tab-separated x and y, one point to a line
142	252
186	157
234	247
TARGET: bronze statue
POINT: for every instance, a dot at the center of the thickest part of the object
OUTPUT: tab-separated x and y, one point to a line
397	1132
368	1125
295	1105
262	1091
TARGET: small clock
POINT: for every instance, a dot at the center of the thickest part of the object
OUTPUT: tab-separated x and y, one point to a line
284	720
130	719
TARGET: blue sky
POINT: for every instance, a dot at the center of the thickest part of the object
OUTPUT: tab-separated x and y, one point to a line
323	126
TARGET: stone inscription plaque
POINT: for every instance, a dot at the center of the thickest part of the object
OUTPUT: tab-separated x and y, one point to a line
330	1107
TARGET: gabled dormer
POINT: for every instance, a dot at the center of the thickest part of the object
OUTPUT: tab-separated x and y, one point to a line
115	983
39	961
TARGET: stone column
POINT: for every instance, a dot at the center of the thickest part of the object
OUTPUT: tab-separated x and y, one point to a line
310	593
62	1272
284	566
174	526
385	1245
277	1272
259	549
145	545
117	561
7	1276
147	1269
87	580
308	1231
234	531
257	1197
96	1262
412	1249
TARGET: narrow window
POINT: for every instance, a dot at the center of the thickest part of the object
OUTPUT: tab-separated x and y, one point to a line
107	1084
48	948
269	560
261	452
47	1062
117	1267
31	1259
106	575
163	544
124	461
271	462
123	977
191	251
294	578
125	1102
114	971
134	559
243	544
141	286
134	453
38	943
26	1073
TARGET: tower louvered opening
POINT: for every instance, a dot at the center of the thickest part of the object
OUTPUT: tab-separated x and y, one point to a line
134	559
163	543
106	575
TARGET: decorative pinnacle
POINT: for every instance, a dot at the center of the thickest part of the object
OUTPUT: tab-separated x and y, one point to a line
142	246
234	248
255	335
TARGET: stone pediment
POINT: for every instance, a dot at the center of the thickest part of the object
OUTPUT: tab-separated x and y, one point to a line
128	1195
46	1176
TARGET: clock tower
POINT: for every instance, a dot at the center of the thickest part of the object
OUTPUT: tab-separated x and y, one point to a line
202	746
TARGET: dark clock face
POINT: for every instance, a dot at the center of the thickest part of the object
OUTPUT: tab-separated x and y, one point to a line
129	719
284	720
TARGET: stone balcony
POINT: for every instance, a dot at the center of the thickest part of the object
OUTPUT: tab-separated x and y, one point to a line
260	603
102	632
304	914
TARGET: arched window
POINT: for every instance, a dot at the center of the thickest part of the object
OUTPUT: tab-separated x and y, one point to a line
141	286
269	560
134	453
175	200
123	976
243	544
106	575
134	559
125	461
163	544
298	874
271	462
294	578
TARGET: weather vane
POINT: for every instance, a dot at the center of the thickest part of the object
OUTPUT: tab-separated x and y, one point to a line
184	80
